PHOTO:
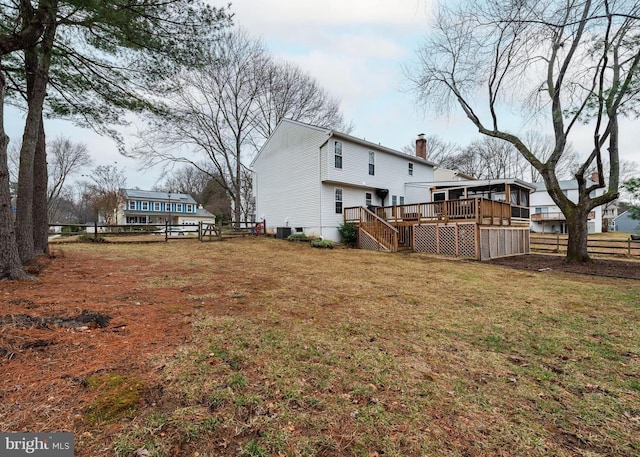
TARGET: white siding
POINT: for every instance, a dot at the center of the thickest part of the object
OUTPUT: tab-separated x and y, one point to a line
286	180
295	178
391	170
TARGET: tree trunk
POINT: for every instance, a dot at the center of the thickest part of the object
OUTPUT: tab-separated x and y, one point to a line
10	264
37	62
578	233
40	204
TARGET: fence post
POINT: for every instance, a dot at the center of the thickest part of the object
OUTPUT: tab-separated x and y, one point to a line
166	231
95	230
629	246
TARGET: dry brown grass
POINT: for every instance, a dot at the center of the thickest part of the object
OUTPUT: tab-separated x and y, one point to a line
296	351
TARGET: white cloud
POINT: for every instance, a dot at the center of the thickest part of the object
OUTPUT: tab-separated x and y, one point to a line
279	17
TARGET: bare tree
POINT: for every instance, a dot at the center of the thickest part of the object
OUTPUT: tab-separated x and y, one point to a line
106	191
227	110
204	189
562	63
66	159
439	151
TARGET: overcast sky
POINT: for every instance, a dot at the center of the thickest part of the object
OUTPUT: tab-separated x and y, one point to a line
356	49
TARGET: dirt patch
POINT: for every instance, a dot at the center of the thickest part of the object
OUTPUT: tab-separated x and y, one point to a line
84	316
628	269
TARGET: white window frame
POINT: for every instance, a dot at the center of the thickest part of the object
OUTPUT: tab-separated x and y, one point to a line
337	155
179	208
372	163
156	206
338	196
144	206
132	204
368	198
410	168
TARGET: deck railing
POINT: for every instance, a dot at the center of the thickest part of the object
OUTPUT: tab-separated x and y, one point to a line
481	210
555	216
385	235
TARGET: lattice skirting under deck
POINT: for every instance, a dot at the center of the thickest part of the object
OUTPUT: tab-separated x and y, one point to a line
460	240
446	239
366	241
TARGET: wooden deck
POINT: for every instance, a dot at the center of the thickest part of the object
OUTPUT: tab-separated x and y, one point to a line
479	210
477	228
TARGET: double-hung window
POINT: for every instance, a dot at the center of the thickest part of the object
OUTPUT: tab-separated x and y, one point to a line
132	205
156	206
368	198
410	169
145	206
338	194
372	163
337	154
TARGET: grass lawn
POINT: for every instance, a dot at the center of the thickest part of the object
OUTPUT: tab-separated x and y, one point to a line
295	351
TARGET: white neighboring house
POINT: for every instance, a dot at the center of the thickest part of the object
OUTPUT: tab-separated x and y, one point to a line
144	207
304	176
546	216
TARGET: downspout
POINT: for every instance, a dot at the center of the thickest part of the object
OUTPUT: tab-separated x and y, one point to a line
320	186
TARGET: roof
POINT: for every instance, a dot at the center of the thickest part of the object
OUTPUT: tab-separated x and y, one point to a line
201	212
379	147
345	137
564	185
476	183
137	194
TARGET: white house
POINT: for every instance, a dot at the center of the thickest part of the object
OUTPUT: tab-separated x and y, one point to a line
144	207
304	176
546	216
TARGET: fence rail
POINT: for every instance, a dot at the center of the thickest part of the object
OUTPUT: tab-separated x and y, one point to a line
558	243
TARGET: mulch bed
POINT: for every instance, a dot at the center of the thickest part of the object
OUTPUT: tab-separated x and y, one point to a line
629	269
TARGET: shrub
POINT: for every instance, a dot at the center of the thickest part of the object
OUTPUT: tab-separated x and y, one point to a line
91	239
297	236
349	233
322	244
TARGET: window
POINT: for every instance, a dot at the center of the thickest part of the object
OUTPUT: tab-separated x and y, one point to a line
338	201
189	208
410	169
145	206
394	200
337	154
132	204
372	163
132	219
402	199
367	198
168	206
156	206
179	207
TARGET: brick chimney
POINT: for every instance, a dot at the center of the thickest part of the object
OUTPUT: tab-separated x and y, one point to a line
421	147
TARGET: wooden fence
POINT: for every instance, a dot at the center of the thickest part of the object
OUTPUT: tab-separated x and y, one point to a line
599	246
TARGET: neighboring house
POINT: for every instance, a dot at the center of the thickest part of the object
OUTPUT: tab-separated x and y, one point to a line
546	216
304	177
609	212
444	174
144	207
624	223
